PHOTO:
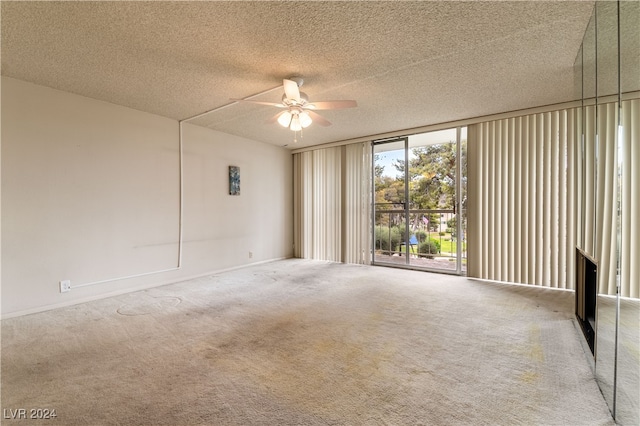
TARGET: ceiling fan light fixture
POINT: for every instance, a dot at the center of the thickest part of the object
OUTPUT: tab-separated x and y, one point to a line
295	123
285	119
305	120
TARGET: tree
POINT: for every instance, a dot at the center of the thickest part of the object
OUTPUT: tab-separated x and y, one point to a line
452	226
378	169
432	173
432	176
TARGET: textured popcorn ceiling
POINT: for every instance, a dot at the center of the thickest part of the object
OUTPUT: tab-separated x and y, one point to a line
408	64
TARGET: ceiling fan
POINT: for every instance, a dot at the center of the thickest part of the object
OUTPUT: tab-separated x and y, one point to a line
298	112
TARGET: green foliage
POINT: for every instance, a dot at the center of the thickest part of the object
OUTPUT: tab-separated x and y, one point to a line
387	238
452	227
452	223
378	169
432	176
434	221
431	172
429	248
449	246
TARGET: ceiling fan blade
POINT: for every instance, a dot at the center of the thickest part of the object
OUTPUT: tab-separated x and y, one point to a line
259	102
332	105
291	89
317	118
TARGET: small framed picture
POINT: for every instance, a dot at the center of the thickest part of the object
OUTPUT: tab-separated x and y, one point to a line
234	180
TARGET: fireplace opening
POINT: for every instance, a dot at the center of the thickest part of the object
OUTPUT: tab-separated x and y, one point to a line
586	291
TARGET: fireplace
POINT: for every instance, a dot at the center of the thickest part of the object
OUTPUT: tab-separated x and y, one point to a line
586	290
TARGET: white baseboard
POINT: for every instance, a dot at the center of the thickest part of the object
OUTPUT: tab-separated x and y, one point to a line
131	290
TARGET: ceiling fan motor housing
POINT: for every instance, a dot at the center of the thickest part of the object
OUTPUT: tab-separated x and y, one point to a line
298	80
304	99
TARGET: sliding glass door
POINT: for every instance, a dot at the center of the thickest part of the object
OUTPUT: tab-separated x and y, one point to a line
419	200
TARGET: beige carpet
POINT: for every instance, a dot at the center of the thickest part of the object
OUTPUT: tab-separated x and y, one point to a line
301	342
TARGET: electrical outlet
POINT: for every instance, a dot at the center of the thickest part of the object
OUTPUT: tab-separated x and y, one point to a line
65	285
250	255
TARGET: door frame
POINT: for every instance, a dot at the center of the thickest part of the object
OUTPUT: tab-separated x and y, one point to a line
457	210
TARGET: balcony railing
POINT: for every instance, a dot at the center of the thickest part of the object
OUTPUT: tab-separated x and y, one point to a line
432	239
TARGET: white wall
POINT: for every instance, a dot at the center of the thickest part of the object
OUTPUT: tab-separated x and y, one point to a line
90	192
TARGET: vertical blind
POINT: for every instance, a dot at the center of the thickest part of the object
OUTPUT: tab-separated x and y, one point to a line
318	204
539	186
605	220
332	203
519	199
601	227
538	189
630	247
358	197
